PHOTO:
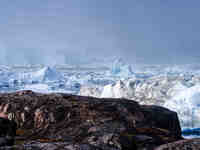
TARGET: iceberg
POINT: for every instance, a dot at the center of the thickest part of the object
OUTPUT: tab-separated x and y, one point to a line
4	79
90	91
156	90
120	89
46	74
177	88
120	68
186	103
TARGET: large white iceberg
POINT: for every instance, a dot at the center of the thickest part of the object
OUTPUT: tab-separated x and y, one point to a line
154	91
90	91
120	89
187	104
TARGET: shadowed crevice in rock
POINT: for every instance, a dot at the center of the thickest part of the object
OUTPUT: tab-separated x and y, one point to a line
7	132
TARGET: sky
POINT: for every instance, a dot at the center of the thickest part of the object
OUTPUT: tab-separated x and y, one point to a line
62	31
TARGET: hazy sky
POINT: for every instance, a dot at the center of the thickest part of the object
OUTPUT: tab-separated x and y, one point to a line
141	31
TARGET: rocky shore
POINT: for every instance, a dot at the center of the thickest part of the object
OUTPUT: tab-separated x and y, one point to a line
68	122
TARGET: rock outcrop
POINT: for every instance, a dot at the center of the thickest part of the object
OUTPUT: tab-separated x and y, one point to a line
63	121
191	144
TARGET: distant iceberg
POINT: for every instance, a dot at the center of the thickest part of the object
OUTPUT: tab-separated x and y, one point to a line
120	68
4	79
46	74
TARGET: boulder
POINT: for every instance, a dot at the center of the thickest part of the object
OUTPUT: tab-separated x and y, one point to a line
88	123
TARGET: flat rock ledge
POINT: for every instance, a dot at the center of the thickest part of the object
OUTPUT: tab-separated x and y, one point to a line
69	122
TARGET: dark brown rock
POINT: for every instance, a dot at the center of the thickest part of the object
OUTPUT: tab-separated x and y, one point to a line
190	144
159	115
34	145
97	123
